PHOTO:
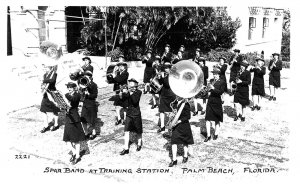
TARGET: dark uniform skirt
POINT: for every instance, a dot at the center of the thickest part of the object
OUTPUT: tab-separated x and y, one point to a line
89	115
120	102
214	110
73	132
241	98
148	74
134	124
274	80
48	106
164	104
232	77
225	80
258	89
182	134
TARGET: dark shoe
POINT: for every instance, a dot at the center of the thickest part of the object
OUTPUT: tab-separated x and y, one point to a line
123	122
92	137
242	118
172	163
202	113
161	129
253	108
195	113
236	118
207	139
153	106
72	158
44	129
124	152
271	98
274	98
76	160
118	122
258	107
185	159
144	92
167	135
215	137
139	147
55	128
222	102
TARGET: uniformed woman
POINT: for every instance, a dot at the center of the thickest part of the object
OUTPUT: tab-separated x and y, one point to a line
120	78
274	77
234	63
181	132
157	69
197	99
148	72
167	55
178	57
48	106
166	97
73	131
89	106
241	96
214	109
258	85
133	116
87	65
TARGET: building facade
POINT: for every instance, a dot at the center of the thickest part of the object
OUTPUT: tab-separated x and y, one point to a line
261	29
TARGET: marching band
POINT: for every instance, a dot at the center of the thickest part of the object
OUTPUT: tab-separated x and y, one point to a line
81	127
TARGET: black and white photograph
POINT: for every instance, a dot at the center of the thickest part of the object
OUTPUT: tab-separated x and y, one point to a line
105	94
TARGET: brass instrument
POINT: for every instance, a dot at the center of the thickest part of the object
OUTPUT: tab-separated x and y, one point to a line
234	85
60	101
186	79
204	91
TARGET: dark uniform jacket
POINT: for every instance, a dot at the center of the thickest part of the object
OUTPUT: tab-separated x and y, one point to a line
120	79
166	90
185	55
90	100
215	94
166	57
245	77
275	70
73	116
148	62
50	81
237	64
258	77
133	103
88	68
186	112
223	71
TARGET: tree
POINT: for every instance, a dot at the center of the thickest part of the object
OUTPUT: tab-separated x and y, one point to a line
214	29
145	27
285	43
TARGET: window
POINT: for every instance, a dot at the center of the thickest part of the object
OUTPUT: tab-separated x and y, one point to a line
252	24
265	25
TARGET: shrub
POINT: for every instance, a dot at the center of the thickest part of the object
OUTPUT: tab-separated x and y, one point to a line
214	55
114	54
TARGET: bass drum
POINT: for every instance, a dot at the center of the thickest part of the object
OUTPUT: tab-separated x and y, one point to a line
109	71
